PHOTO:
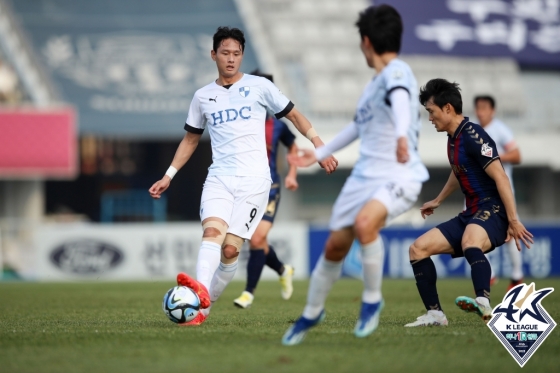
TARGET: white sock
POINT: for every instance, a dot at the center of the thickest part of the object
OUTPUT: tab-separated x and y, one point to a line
221	279
516	261
208	261
324	276
373	255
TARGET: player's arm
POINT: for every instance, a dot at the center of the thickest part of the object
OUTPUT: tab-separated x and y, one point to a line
307	157
516	230
450	186
400	106
182	155
291	178
512	154
305	128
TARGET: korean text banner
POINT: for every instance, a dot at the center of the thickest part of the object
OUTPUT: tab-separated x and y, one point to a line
527	30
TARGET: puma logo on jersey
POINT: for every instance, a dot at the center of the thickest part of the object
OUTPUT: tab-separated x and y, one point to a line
213	99
229	115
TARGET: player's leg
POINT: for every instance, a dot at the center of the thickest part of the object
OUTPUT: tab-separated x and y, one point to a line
216	204
227	267
257	258
475	243
367	227
516	277
327	270
439	240
285	271
251	195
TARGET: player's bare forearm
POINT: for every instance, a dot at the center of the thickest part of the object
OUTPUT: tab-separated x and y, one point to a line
293	151
185	150
512	156
303	125
450	186
503	184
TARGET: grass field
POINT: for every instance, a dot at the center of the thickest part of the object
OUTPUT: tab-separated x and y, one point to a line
120	327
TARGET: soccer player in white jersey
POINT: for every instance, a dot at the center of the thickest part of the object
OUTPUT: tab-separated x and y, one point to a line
235	194
509	155
385	181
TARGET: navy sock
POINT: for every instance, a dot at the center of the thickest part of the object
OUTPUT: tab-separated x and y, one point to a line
255	266
273	262
480	271
426	277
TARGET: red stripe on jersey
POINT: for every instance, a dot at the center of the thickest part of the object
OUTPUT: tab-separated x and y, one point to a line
470	202
269	136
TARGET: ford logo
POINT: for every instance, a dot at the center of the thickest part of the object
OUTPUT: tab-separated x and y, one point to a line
86	257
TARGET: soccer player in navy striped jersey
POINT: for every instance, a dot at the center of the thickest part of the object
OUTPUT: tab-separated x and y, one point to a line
490	216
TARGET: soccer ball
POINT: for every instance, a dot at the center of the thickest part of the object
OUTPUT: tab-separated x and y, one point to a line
181	304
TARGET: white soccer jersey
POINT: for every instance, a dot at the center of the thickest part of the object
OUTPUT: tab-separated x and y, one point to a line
503	137
376	126
235	118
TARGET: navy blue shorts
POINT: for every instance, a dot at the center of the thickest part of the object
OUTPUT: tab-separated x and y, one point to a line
491	216
273	201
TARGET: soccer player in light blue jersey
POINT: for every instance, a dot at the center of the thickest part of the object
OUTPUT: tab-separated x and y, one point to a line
385	181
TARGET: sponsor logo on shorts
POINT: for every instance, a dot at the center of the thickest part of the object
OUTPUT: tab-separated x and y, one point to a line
521	323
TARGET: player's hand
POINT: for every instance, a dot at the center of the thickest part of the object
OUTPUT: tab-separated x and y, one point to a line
329	164
428	208
518	232
291	183
159	187
402	150
303	158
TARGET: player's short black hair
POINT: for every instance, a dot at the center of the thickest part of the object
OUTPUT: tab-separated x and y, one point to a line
223	33
383	26
443	92
486	98
257	72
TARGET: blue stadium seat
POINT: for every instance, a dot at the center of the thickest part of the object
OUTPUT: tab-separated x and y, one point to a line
132	205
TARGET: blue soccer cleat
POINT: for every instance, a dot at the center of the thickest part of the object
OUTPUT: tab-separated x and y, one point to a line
369	319
296	333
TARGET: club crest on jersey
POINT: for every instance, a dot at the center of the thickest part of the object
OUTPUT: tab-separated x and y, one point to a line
486	150
521	323
244	91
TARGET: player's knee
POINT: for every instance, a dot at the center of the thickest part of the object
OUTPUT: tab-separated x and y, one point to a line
258	241
417	251
334	251
231	247
230	252
214	231
366	229
211	233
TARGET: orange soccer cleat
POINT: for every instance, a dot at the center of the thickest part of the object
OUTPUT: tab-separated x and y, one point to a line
199	319
185	280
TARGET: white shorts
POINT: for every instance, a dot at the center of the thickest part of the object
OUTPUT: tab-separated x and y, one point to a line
240	201
396	196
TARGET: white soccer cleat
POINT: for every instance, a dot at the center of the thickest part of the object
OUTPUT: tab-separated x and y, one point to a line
245	300
431	318
286	282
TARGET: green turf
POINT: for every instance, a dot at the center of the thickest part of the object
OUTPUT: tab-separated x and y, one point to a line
120	327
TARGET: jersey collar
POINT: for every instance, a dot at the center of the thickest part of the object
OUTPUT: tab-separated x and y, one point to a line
227	89
460	128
